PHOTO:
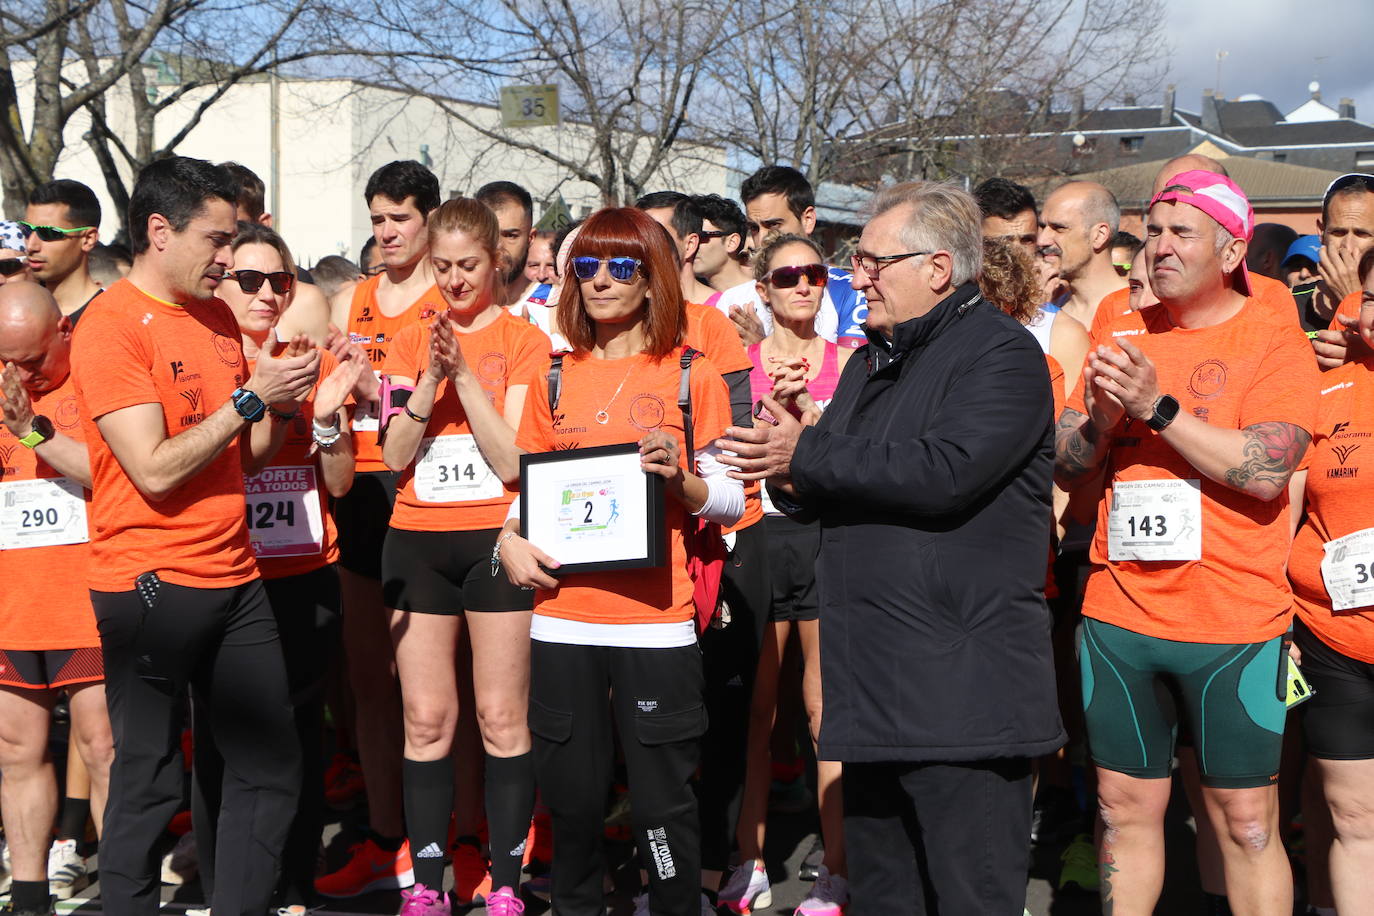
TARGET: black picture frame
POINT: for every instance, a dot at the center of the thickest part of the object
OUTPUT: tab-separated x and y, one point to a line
537	471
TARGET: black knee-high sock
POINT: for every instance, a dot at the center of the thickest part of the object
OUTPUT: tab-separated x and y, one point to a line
510	804
428	788
75	811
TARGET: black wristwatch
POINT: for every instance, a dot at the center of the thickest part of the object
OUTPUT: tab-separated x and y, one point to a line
41	431
1166	408
248	404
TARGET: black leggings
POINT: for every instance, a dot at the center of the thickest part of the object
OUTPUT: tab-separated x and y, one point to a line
221	642
307	611
655	696
730	657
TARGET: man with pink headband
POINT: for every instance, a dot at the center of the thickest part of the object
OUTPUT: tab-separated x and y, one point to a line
1200	409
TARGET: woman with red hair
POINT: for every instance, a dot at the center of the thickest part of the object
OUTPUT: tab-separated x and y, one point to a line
623	644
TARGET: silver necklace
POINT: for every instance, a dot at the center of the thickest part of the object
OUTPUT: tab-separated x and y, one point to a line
602	416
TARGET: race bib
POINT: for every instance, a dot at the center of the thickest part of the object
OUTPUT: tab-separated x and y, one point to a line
365	417
284	517
1155	520
451	469
48	512
1348	570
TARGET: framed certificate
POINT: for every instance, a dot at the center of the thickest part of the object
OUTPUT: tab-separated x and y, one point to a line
593	509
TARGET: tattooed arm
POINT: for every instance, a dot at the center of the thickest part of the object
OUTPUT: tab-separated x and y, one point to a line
1257	460
1079	448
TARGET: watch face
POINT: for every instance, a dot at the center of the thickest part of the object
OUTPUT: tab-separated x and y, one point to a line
43	426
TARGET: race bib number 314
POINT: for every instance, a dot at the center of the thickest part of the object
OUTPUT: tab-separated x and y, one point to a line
1158	520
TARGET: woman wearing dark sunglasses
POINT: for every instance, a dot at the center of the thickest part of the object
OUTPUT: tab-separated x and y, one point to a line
800	369
14	265
294	539
468	371
622	645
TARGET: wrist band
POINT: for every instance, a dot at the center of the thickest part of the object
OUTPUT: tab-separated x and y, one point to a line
413	415
496	551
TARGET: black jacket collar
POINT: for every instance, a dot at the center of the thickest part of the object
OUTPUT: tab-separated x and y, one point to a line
917	332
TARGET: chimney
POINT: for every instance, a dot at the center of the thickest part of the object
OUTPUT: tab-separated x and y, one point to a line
1347	109
1076	113
1211	112
1130	100
1166	113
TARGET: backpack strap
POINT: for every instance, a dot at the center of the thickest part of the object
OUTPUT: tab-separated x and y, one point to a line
555	378
684	403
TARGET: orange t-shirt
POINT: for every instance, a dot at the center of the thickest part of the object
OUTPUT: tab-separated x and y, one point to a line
373	331
277	500
647	401
508	352
1338	502
709	331
1274	295
1251	368
129	349
45	603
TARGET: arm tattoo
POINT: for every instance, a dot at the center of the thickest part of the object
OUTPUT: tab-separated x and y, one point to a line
1077	446
1270	455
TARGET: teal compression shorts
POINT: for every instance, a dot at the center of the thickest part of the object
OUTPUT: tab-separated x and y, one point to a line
1136	688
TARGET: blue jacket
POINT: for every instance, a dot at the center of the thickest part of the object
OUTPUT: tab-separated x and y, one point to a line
930	473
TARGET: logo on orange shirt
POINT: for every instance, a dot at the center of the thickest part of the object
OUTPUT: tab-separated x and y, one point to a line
66	415
227	350
1208	379
192	396
646	411
1343	451
7	452
491	368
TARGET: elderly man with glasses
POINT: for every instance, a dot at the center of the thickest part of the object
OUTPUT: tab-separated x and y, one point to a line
930	475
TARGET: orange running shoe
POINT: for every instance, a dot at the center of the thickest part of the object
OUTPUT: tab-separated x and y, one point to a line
471	875
369	868
539	841
343	781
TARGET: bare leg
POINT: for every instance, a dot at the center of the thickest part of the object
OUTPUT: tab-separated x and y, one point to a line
1259	881
753	814
28	785
828	772
1130	841
1349	786
94	744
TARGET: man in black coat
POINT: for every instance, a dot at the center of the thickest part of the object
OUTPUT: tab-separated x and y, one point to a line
930	473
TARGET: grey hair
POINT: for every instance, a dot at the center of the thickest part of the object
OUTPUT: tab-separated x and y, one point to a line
944	217
1224	238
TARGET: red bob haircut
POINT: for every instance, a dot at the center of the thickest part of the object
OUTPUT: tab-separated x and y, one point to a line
627	232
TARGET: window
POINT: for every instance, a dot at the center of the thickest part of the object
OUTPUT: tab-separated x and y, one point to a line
1364	158
1132	144
1280	157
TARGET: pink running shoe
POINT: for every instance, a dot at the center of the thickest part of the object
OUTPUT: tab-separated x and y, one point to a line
747	889
424	901
504	902
829	896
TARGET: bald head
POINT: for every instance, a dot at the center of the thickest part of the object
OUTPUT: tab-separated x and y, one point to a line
34	335
1078	223
1190	162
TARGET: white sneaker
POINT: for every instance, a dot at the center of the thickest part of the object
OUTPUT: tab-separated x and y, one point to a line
66	870
747	889
707	907
4	865
828	897
181	864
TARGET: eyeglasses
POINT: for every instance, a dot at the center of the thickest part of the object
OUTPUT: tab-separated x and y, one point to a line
1122	267
788	277
707	234
250	281
872	264
49	233
374	270
621	268
10	266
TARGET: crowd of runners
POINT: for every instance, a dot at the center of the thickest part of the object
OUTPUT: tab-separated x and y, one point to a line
265	524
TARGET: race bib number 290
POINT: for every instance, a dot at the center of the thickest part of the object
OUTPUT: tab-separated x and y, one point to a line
48	512
1159	520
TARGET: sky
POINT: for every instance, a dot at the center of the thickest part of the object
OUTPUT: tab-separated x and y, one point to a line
1272	50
